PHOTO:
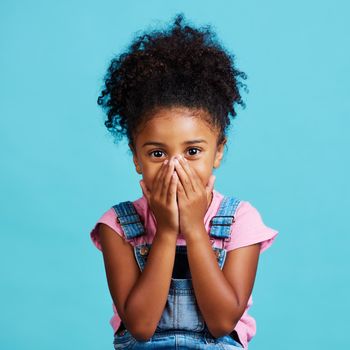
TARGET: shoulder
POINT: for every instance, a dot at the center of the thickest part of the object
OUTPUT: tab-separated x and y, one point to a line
110	218
249	228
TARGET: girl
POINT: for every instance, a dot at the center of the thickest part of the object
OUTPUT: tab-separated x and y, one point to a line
181	260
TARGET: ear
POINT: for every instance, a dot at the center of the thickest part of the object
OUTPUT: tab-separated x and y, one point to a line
219	153
135	159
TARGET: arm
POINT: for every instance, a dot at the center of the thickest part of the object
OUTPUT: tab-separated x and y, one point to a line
222	296
140	298
149	295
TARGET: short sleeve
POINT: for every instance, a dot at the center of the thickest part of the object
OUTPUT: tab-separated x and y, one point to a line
249	228
109	218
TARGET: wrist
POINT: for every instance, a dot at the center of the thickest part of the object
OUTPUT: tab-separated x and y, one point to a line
195	232
166	234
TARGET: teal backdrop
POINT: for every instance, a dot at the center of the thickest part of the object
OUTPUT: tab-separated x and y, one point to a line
288	154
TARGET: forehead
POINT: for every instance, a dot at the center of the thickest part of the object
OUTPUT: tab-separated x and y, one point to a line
176	125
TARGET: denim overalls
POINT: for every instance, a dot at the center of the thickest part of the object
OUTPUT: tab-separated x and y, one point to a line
181	325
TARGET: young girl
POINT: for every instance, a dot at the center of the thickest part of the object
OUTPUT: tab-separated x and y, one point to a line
181	260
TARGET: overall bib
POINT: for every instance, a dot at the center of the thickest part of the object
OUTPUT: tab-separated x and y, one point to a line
181	325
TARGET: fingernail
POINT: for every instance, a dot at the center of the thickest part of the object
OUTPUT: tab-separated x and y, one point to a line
166	161
176	161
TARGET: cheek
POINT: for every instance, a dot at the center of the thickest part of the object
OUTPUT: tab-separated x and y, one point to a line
148	175
203	171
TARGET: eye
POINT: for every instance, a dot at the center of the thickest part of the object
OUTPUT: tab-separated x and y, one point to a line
157	153
194	151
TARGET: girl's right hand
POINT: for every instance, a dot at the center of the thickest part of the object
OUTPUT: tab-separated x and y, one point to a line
163	198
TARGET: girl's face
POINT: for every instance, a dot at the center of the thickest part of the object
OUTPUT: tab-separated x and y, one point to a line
174	131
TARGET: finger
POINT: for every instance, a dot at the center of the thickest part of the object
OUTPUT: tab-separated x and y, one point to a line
156	180
196	180
162	188
173	188
186	166
180	189
166	180
210	186
145	191
184	178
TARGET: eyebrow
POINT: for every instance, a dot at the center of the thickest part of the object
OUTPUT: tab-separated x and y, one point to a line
190	142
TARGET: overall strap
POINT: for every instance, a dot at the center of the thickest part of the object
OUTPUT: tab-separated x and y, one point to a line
129	219
220	224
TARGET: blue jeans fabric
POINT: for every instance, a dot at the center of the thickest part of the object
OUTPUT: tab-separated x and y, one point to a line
181	325
176	339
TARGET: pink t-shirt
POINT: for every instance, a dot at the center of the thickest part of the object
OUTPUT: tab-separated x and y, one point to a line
247	229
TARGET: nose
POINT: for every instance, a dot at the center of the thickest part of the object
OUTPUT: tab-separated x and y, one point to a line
174	156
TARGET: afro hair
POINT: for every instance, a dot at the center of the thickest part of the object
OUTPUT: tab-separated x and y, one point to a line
180	66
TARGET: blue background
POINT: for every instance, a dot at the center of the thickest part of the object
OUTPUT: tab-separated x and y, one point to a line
287	155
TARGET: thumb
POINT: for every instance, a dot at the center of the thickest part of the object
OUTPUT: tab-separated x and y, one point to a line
210	186
145	191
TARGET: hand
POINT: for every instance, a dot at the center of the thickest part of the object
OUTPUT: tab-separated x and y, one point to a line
193	197
162	199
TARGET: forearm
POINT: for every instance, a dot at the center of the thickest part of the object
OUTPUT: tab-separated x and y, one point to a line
215	296
146	301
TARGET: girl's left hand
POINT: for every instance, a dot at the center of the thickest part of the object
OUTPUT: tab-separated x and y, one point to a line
193	197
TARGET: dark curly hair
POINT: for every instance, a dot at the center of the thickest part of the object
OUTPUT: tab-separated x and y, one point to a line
178	67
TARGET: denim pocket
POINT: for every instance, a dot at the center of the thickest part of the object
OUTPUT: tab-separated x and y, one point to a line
181	312
123	340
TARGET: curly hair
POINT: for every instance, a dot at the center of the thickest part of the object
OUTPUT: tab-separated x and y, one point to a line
178	67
